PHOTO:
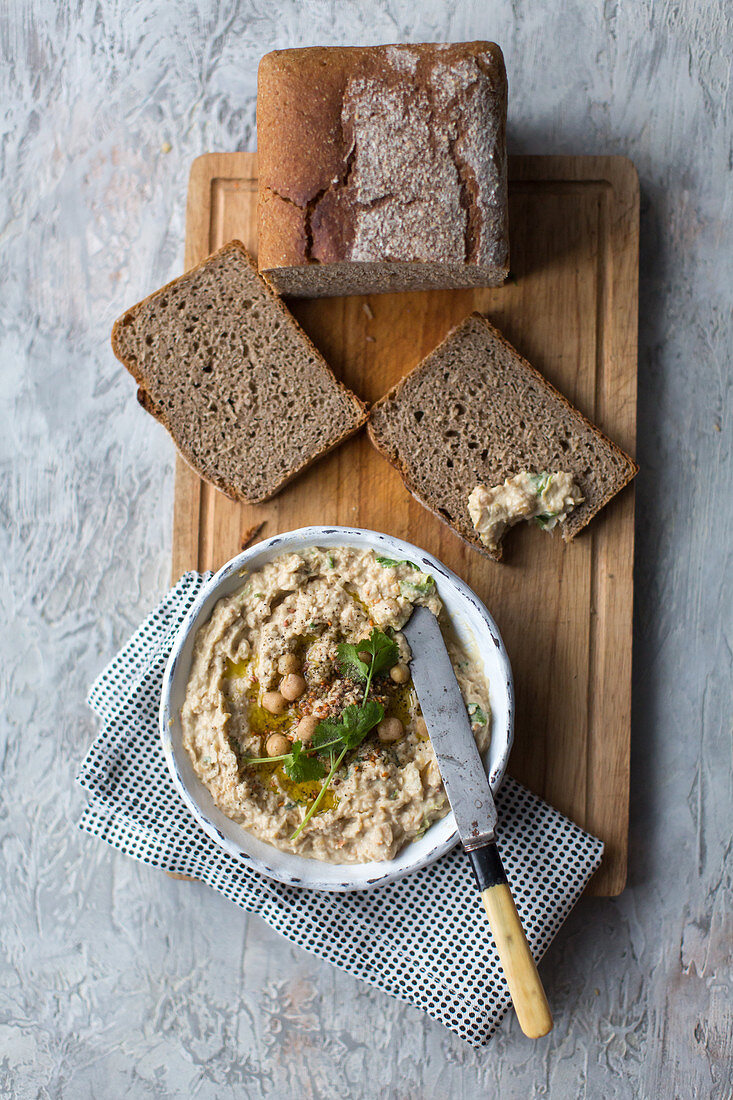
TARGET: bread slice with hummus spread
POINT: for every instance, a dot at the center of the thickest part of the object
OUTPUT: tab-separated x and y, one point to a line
482	439
226	368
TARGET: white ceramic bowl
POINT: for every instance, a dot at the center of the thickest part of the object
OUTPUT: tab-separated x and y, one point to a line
472	623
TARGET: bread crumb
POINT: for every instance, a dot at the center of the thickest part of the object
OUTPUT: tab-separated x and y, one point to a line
370	339
251	534
166	147
368	310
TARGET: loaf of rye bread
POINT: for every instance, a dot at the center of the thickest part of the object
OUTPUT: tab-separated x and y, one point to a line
382	168
221	362
475	412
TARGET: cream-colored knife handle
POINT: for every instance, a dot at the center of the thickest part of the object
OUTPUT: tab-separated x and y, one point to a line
525	986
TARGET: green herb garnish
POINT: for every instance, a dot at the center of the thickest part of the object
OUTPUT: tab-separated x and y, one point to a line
300	767
476	713
382	650
546	521
422	588
334	737
297	764
540	482
350	729
391	562
356	721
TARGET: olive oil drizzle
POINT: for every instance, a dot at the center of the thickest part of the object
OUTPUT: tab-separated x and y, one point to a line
400	702
261	723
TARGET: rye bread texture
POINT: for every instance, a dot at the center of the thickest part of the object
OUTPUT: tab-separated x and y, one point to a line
382	168
226	368
475	412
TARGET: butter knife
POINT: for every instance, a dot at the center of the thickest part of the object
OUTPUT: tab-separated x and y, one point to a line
472	802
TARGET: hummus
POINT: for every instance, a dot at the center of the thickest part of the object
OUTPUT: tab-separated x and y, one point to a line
285	623
546	498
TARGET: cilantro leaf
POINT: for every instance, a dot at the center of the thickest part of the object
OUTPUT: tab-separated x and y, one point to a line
353	726
358	721
381	648
302	768
350	730
477	714
327	736
338	736
349	661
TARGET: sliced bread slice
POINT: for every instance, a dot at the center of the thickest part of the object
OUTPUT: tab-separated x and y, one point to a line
221	362
475	412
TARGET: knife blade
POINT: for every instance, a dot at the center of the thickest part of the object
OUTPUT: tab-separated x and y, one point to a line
472	802
449	727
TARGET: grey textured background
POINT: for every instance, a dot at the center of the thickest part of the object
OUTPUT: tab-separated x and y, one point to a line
117	981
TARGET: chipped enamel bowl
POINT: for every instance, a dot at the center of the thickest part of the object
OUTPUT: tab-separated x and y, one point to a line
472	622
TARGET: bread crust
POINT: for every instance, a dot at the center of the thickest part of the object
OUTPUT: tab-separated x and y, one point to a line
631	466
307	148
148	403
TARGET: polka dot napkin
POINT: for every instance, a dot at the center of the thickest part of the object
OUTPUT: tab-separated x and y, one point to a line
424	939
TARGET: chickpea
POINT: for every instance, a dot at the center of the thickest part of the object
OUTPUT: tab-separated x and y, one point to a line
421	729
274	701
400	673
306	727
364	656
292	687
389	729
288	663
277	745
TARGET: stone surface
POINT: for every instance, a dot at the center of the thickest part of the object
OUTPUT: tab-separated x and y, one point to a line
118	981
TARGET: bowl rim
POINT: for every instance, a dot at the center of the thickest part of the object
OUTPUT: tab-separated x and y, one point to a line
305	873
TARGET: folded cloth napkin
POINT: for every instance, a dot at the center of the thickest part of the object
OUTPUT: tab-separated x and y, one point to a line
424	939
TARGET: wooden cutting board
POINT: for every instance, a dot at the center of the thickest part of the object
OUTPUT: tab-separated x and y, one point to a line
565	611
